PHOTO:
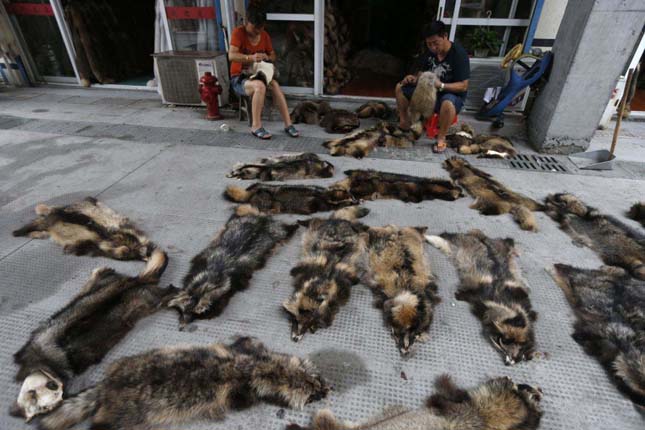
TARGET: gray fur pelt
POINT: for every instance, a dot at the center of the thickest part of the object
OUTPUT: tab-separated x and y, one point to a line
610	306
175	385
463	138
616	243
424	98
299	166
227	264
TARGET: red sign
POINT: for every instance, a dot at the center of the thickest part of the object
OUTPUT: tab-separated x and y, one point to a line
33	9
173	12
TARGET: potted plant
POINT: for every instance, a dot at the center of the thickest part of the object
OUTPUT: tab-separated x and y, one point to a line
482	40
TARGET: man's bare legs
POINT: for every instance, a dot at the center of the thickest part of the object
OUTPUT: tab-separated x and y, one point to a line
447	115
402	104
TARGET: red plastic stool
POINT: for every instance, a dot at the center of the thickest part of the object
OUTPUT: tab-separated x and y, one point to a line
432	125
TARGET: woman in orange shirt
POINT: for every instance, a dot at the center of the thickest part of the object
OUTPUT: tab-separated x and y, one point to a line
251	44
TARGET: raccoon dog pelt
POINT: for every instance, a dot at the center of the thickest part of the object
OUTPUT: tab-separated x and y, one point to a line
610	306
179	384
489	280
637	213
309	112
339	121
373	109
497	404
81	334
491	197
296	199
300	166
330	264
424	97
373	185
402	282
89	227
616	243
465	141
361	142
227	264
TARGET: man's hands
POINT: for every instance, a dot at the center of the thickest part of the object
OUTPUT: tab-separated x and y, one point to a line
410	79
437	83
259	56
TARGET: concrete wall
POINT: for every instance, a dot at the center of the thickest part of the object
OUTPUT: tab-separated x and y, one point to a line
550	18
593	44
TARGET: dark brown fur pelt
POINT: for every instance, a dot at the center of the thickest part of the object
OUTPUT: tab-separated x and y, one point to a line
610	310
616	243
402	282
309	112
361	142
227	264
464	139
329	266
489	280
497	404
492	197
637	213
78	336
339	121
176	385
296	199
300	166
374	110
374	185
89	227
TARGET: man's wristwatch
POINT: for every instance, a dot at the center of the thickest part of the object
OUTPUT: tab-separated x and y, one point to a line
442	86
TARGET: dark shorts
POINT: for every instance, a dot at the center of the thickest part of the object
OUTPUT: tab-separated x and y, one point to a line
457	101
237	83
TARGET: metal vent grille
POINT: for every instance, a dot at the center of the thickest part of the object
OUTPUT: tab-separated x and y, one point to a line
539	163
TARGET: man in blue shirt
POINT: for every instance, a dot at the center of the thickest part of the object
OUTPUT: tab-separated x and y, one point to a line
450	62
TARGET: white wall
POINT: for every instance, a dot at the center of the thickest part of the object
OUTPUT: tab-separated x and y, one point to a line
552	13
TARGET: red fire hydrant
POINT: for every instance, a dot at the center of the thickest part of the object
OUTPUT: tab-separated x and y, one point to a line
209	89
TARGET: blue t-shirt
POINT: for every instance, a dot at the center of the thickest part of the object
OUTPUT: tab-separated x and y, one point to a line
455	67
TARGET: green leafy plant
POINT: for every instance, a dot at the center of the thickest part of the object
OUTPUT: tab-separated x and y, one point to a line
484	38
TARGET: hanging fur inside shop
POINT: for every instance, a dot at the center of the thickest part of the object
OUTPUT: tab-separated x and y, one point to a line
113	39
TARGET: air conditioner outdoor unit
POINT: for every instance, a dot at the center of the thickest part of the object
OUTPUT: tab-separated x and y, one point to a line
179	73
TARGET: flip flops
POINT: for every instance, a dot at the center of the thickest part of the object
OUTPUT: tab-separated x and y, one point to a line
261	133
437	150
291	131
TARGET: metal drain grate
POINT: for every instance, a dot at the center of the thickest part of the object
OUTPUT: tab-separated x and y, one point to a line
540	163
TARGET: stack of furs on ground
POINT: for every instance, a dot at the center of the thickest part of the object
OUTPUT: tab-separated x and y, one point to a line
321	113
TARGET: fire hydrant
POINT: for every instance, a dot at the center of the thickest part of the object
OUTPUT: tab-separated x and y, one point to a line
209	89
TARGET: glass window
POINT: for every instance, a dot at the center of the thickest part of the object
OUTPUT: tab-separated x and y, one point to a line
286	6
193	33
43	39
494	8
293	42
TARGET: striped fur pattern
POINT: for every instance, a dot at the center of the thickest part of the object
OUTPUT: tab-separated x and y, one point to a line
81	334
610	309
497	404
296	199
361	142
616	243
91	228
490	281
300	166
492	197
331	259
374	109
637	212
176	385
227	264
402	282
374	185
464	139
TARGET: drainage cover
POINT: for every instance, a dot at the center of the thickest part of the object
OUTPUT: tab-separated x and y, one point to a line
540	163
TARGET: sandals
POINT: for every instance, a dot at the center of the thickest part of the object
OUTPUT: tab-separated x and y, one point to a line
437	150
291	131
261	133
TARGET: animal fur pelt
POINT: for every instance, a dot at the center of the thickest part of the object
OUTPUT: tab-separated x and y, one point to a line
373	185
497	404
330	264
424	98
637	212
616	243
175	385
374	109
491	197
81	334
339	121
227	264
402	282
89	227
297	199
489	280
300	166
465	141
361	142
610	307
309	112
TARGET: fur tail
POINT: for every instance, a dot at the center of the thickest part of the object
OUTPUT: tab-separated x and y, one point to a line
74	410
236	194
350	213
156	265
440	243
524	217
323	420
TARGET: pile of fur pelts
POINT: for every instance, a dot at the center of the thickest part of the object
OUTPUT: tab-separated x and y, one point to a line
336	120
